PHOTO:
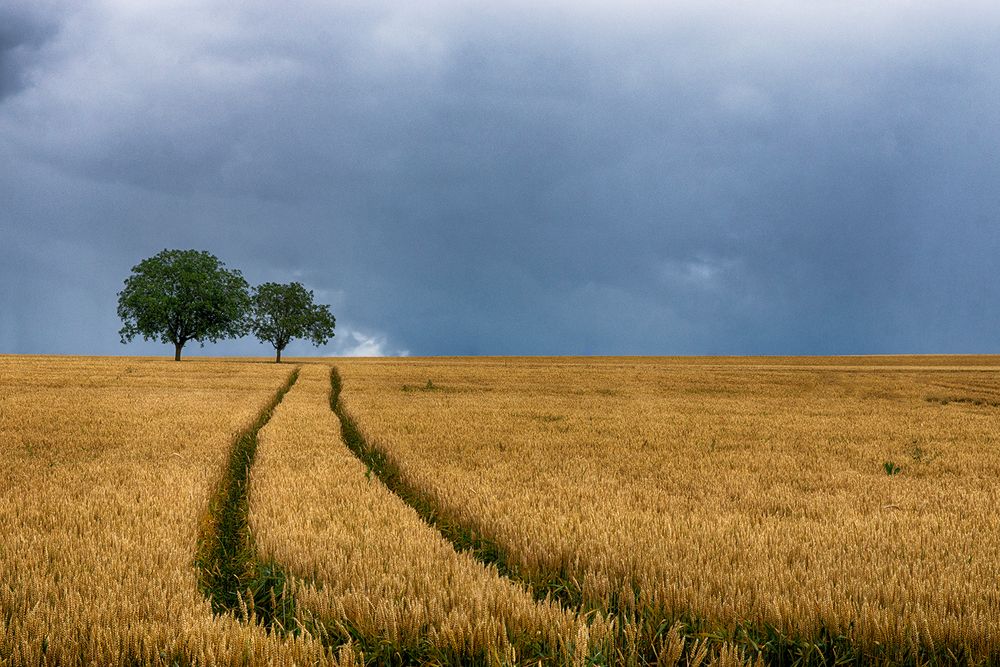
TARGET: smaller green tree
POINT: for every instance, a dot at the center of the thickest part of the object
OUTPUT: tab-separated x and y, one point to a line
281	313
177	296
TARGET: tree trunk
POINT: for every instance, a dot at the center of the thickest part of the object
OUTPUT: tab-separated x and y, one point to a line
277	357
177	351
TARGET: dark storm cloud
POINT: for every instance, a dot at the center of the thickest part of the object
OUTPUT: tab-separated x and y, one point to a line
800	177
23	30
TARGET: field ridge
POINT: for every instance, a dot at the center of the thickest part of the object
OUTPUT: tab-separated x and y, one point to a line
230	573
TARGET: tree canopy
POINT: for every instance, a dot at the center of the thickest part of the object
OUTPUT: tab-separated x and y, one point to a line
281	313
181	295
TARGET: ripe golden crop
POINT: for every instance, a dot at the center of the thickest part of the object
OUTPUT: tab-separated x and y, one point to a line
367	565
106	467
621	511
743	496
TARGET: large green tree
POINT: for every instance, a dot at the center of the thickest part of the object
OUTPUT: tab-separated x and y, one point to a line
181	295
284	312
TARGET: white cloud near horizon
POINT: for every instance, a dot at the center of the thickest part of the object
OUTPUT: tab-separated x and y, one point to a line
354	343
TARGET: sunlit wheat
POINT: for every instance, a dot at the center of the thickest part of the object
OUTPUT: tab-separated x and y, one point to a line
377	568
738	493
105	468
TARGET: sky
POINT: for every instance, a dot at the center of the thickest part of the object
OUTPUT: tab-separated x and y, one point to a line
554	177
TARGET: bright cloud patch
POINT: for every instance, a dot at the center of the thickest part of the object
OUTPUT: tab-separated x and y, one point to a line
360	344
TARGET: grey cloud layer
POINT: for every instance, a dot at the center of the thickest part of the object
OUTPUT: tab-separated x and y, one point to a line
24	29
779	177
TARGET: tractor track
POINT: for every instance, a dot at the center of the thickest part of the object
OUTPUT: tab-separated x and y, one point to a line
231	575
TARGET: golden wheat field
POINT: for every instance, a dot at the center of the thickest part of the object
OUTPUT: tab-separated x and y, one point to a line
364	562
499	511
106	467
751	497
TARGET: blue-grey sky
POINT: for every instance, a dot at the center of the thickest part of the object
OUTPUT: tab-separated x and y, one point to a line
556	177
